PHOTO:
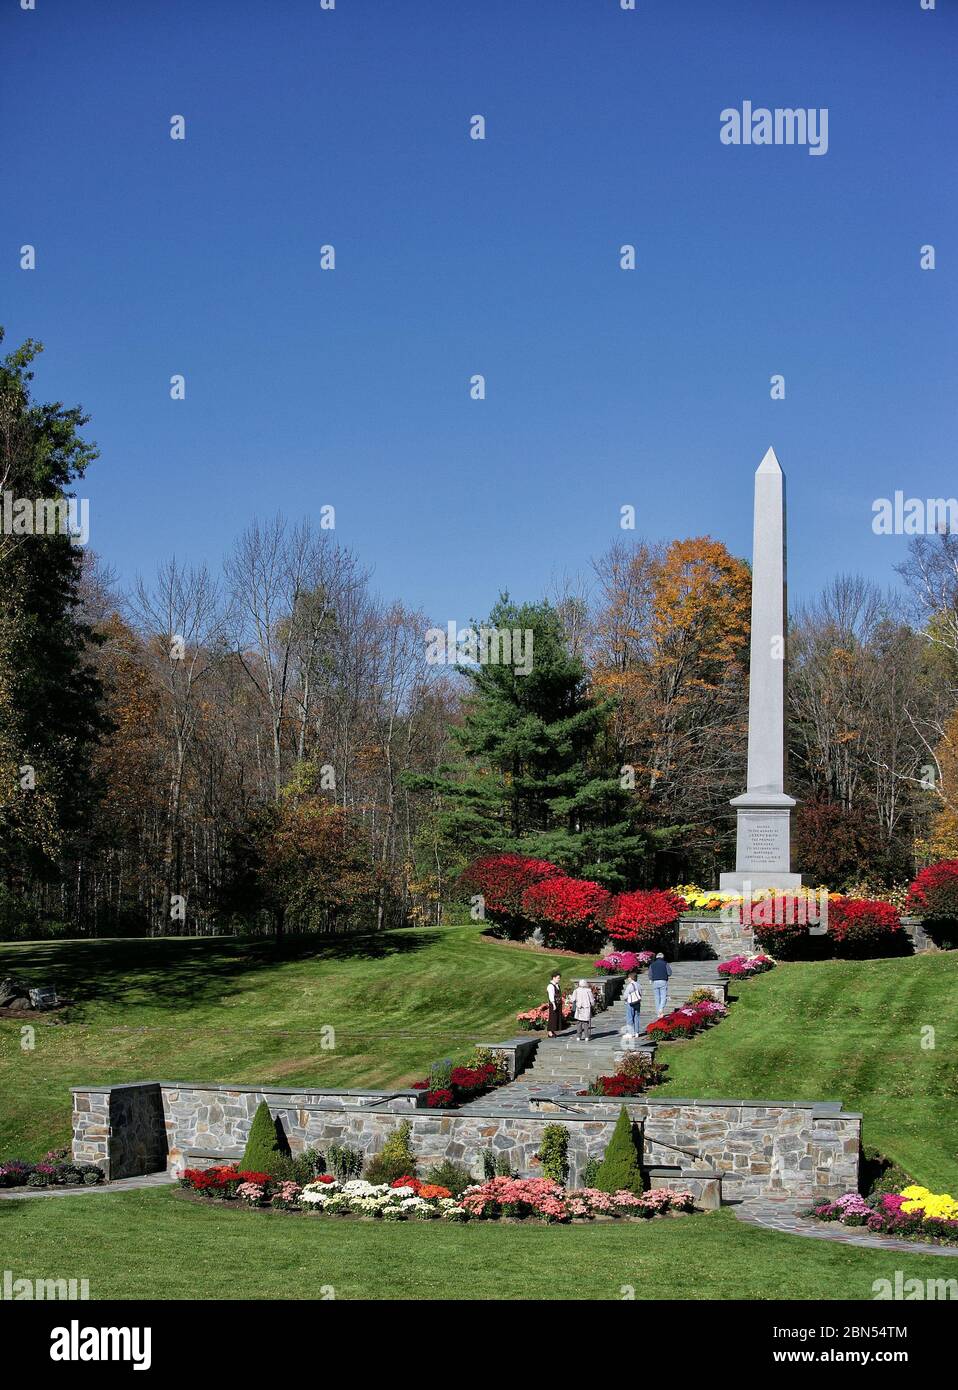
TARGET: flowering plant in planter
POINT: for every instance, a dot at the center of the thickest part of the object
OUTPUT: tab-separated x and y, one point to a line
635	1074
446	1085
621	962
743	967
644	918
534	1020
686	1021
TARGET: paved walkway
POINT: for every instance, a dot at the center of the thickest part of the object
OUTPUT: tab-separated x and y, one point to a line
564	1066
783	1216
14	1194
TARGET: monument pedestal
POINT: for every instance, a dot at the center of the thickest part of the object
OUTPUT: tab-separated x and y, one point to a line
762	846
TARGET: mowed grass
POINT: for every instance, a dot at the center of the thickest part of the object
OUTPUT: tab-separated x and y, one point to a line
241	1011
229	1010
157	1244
881	1036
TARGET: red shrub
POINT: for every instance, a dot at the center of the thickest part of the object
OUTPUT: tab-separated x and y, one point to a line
780	925
865	927
501	879
934	893
569	911
565	902
643	918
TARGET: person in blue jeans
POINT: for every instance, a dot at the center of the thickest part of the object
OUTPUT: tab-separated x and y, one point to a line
633	1003
659	973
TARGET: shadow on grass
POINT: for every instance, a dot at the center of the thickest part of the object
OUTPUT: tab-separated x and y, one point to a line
172	971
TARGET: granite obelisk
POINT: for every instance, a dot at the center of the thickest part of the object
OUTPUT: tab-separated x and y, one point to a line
763	856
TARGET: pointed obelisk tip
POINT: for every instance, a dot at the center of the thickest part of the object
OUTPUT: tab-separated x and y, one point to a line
770	463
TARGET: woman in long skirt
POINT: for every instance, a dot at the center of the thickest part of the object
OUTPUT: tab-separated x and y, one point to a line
554	1025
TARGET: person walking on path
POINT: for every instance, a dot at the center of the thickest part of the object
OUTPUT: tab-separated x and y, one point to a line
582	1007
633	1004
659	973
554	992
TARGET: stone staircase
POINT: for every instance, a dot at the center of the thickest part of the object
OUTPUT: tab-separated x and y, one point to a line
564	1066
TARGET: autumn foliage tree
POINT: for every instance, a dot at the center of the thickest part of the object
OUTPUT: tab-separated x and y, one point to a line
671	648
314	870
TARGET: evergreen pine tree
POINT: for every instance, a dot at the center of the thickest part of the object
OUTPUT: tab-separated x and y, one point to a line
536	773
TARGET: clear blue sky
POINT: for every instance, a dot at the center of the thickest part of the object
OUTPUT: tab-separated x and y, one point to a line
454	256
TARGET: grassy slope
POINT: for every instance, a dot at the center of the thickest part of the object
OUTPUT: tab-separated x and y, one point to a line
224	1010
238	1011
215	1252
849	1031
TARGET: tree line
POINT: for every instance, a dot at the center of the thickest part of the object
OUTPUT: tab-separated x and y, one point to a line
267	745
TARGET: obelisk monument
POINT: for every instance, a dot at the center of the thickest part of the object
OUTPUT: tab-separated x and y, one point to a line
763	857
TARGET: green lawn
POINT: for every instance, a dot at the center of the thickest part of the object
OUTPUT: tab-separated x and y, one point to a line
227	1010
849	1031
157	1244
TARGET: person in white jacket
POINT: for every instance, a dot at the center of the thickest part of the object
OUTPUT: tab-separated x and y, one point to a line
632	996
583	1006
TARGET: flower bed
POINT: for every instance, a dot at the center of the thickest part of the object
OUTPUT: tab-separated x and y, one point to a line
408	1199
744	967
568	911
912	1214
860	927
635	1075
686	1021
549	1201
54	1170
447	1086
621	962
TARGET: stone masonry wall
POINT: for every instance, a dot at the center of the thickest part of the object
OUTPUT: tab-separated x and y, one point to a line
803	1149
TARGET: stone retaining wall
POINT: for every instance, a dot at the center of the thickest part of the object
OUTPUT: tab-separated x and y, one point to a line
799	1148
728	940
804	1149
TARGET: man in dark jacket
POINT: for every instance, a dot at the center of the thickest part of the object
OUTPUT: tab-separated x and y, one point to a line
659	973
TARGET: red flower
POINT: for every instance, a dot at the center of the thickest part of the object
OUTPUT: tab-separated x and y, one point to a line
407	1181
440	1099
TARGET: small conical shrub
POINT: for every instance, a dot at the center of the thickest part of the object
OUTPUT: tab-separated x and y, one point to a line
266	1143
619	1170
